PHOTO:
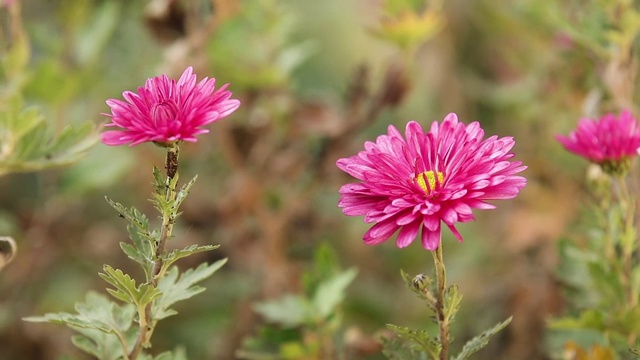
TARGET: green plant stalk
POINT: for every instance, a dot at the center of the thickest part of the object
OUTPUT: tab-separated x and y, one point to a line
146	322
441	284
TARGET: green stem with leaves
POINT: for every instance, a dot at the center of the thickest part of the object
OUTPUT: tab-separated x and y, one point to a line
441	285
146	322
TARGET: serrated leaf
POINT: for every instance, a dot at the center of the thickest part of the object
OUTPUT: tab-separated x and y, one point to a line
477	343
178	254
396	349
132	215
331	292
288	311
175	287
419	339
126	289
182	194
101	323
452	299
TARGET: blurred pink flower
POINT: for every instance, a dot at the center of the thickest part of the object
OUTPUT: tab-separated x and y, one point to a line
166	111
607	141
428	178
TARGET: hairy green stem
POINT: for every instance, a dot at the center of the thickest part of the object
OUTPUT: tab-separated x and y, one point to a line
441	284
171	165
146	322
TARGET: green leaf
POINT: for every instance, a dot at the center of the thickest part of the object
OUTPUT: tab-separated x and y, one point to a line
480	341
331	292
288	311
588	319
175	288
178	254
419	339
607	283
29	143
452	299
395	349
178	354
101	322
126	289
132	215
182	193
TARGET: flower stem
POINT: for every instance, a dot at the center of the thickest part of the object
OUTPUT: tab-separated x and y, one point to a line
146	322
441	284
171	165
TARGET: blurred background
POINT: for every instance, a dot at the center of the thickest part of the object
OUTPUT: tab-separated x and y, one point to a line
316	79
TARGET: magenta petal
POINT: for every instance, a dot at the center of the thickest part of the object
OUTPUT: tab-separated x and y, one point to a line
407	234
608	139
380	232
167	111
426	178
430	239
113	138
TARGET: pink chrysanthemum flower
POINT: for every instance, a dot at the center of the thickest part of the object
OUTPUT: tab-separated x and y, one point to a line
609	141
165	111
428	178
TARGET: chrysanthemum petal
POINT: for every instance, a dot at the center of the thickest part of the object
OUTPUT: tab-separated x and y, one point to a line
166	111
425	179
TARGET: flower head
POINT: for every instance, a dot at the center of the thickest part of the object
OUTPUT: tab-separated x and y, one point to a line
165	111
609	141
419	181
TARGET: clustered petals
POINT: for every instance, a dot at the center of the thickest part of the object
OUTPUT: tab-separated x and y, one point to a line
609	141
411	185
165	111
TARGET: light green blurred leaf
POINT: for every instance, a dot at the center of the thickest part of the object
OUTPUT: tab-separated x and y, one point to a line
100	321
95	35
288	311
331	292
28	142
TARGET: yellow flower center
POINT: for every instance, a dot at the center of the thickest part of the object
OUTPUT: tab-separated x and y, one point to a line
429	177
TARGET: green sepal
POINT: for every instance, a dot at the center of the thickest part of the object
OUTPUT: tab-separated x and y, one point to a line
175	287
126	289
477	343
